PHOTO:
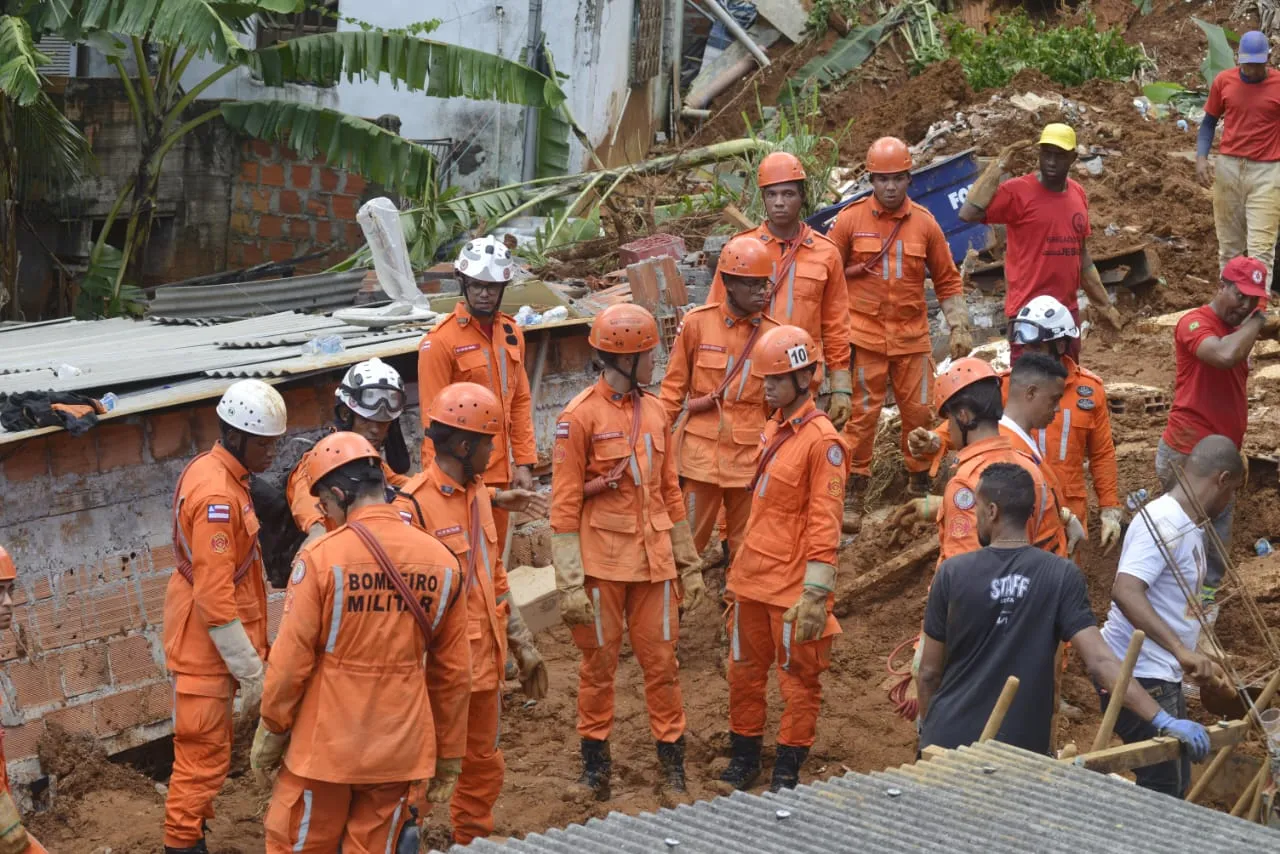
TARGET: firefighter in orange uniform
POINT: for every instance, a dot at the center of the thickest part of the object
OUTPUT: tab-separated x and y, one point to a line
621	545
369	401
375	613
215	607
968	396
14	838
709	377
478	343
782	581
450	501
889	245
808	287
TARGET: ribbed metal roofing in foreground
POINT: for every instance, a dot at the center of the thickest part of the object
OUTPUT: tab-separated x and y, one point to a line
987	798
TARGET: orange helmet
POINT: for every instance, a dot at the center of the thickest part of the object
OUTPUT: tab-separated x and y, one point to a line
745	256
887	156
624	328
962	374
8	572
782	350
467	406
779	168
335	451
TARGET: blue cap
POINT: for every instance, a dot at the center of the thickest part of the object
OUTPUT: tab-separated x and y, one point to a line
1253	47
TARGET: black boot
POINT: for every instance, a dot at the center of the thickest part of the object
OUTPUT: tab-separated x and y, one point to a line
199	848
744	762
597	768
671	757
786	767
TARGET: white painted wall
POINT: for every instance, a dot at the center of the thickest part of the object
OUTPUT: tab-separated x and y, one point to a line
590	40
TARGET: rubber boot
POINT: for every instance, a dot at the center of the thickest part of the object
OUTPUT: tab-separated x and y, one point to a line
199	848
918	484
786	767
744	762
671	758
853	505
597	768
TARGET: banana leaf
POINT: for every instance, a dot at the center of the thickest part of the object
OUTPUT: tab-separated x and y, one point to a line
19	62
845	55
1219	57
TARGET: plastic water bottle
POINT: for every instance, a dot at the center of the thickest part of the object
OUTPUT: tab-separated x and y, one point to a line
556	314
108	401
1262	547
327	345
1135	500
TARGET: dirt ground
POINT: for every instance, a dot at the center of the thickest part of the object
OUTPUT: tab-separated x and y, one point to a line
1144	188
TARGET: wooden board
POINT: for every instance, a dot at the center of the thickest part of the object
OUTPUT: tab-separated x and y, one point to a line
924	550
1142	753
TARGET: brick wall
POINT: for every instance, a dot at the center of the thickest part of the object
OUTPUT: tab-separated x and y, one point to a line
283	206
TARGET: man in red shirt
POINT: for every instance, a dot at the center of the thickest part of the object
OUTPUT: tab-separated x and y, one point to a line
1246	188
1047	217
1212	345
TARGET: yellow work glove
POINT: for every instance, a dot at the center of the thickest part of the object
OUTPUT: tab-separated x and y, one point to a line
917	511
809	614
533	671
266	754
689	566
440	789
566	553
242	659
957	315
1110	517
1075	530
923	443
13	836
840	406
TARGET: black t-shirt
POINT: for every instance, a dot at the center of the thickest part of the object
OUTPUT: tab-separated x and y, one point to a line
1001	613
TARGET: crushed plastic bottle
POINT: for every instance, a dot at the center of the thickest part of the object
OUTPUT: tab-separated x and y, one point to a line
66	372
1262	547
109	401
526	316
555	315
324	345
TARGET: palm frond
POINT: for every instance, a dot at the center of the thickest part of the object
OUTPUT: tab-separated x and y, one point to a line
19	62
53	152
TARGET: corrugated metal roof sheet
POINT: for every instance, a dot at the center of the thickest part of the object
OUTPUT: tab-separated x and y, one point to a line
987	798
320	292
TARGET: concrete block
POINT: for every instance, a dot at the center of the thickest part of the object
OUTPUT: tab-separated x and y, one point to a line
533	590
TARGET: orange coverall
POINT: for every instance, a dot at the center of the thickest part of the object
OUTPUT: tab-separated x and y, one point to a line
306	507
813	295
459	350
796	513
33	847
458	516
215	537
626	552
366	718
717	447
889	317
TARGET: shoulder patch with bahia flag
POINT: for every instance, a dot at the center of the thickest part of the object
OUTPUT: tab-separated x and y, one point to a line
562	430
219	513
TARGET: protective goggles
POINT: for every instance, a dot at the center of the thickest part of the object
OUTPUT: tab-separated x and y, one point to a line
375	398
1029	332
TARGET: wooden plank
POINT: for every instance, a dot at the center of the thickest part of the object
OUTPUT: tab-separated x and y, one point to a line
1142	753
933	751
891	570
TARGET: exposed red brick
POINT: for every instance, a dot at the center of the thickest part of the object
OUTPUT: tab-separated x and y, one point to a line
300	177
111	611
251	255
42	587
119	445
355	184
344	208
280	251
21	742
289	202
73	454
261	200
29	461
144	705
9	648
353	234
270	225
317	208
249	171
240	223
329	179
170	435
324	230
153	590
132	661
299	229
163	558
36	682
271	175
262	149
72	579
58	623
206	428
84	670
76	720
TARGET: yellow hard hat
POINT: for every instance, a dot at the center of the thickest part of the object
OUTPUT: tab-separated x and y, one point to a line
1059	135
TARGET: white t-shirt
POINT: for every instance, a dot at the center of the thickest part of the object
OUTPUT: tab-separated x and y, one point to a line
1141	557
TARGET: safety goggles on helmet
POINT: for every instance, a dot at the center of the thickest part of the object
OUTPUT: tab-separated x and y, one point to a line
377	401
1029	332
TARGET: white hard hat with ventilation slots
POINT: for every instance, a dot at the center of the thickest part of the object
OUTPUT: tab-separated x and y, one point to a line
254	407
1041	320
485	259
373	390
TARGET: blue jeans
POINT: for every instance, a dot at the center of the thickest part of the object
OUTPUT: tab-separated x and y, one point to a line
1165	458
1170	777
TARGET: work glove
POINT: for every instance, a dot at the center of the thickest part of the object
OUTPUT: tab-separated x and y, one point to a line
533	672
809	614
984	189
1110	517
13	837
440	789
689	566
841	405
1190	733
1075	531
575	607
923	443
266	753
242	660
917	511
957	315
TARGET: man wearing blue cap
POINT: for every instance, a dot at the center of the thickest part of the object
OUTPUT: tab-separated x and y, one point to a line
1246	186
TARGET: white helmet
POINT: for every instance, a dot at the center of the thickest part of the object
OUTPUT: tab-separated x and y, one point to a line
485	259
372	390
252	406
1042	320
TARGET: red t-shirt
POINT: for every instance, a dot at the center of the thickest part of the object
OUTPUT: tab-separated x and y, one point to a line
1206	400
1046	233
1250	114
